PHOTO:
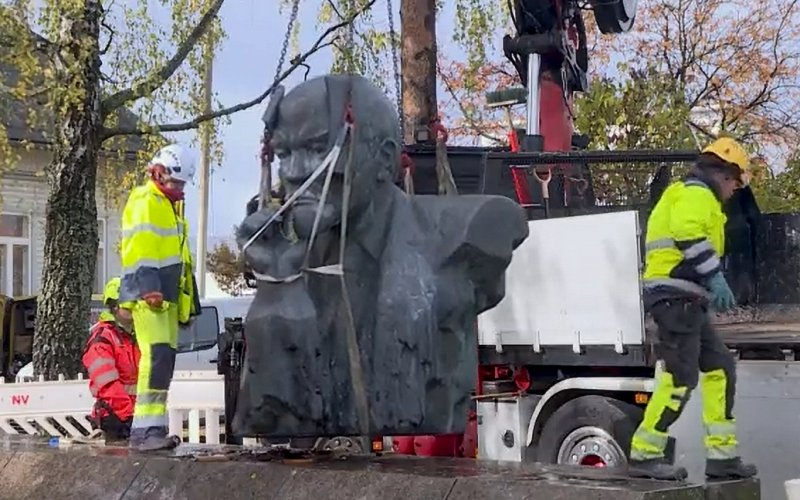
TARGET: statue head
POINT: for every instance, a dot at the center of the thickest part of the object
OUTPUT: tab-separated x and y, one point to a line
309	119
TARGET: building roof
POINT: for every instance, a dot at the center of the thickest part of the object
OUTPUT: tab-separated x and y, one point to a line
31	119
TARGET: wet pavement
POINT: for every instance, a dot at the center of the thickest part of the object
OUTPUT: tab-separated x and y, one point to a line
31	468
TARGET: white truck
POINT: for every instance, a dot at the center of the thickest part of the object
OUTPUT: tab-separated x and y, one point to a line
573	327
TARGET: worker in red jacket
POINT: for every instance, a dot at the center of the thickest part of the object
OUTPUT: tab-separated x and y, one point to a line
111	357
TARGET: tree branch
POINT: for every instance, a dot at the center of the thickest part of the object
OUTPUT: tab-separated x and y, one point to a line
111	34
196	122
157	78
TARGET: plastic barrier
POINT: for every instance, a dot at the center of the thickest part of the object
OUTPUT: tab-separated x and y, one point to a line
61	408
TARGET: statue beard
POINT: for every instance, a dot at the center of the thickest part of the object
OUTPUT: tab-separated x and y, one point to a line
302	218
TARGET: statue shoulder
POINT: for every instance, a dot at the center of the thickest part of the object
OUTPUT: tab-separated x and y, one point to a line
493	225
497	217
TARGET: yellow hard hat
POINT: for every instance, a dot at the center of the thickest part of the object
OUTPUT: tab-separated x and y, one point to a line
729	150
111	290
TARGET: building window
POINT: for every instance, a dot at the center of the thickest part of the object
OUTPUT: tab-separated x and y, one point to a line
15	255
100	266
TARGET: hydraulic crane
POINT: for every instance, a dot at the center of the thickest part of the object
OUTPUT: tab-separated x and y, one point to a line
550	53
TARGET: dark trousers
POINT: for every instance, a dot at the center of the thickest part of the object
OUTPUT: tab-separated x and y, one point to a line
691	351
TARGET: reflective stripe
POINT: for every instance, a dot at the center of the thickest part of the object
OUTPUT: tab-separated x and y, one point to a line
99	363
708	266
684	285
659	244
143	422
647	446
107	377
690	253
721	429
153	228
696	182
698	248
721	453
155	398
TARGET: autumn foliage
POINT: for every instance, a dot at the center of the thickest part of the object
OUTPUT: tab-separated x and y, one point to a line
226	265
735	65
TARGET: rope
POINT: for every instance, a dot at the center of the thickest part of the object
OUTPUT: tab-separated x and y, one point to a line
353	349
407	166
444	175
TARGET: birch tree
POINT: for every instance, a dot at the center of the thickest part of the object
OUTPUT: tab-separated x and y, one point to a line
80	66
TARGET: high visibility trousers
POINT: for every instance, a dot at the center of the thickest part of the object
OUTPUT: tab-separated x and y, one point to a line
157	336
689	348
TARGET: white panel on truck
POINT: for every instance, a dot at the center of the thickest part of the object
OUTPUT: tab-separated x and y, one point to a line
573	282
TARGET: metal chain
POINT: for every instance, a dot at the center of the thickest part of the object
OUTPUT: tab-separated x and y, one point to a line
396	67
265	196
285	47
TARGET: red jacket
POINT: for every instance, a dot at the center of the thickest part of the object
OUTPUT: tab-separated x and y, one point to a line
111	357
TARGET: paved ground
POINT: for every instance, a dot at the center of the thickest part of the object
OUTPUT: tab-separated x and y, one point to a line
30	469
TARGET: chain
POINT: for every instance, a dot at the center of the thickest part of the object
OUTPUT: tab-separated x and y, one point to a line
266	153
285	47
396	67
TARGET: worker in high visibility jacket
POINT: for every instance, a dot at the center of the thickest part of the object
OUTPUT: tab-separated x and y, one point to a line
158	286
111	358
683	279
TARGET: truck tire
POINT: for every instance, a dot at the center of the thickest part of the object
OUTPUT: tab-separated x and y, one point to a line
589	430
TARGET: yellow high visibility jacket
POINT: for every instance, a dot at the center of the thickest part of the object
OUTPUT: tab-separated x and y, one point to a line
685	238
155	252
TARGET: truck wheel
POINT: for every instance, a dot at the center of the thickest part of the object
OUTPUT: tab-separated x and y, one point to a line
590	430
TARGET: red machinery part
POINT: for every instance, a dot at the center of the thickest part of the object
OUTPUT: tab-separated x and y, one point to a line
403	445
442	445
518	175
469	444
555	116
522	379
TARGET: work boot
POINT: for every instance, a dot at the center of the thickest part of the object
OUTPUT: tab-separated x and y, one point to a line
153	439
729	468
657	468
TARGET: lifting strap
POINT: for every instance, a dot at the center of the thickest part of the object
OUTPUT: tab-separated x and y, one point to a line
444	176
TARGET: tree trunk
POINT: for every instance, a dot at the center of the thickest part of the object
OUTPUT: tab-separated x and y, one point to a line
70	250
418	21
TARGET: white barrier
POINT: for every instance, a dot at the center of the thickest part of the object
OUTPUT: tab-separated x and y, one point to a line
792	488
61	408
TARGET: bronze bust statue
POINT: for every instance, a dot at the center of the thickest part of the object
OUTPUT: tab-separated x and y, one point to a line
417	271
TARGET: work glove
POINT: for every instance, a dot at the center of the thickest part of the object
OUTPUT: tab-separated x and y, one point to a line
153	299
723	296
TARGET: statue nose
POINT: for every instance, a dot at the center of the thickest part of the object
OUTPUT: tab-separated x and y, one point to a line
295	167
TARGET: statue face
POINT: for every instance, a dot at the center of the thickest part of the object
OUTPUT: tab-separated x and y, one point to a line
304	135
301	141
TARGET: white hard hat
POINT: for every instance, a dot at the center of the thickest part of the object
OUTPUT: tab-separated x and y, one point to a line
179	162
